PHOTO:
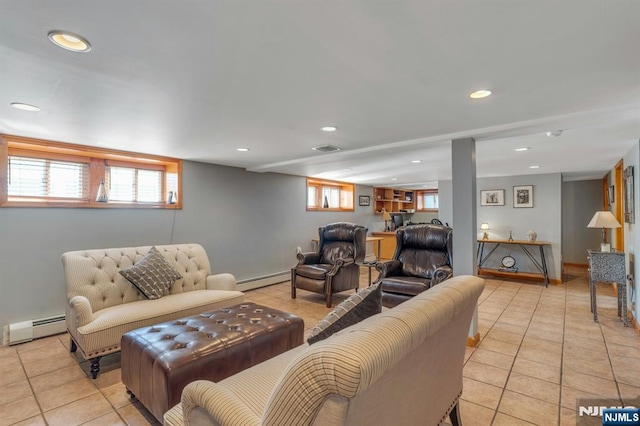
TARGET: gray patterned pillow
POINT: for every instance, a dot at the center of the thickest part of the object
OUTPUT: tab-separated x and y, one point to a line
358	306
152	275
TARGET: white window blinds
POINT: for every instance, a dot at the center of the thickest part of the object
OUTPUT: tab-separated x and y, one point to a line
39	178
134	185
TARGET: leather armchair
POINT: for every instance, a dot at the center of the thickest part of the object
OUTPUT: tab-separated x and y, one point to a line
423	258
335	266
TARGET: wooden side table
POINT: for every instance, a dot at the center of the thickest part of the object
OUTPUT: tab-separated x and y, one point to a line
608	267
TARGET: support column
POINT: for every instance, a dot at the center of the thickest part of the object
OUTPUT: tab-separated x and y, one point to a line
463	167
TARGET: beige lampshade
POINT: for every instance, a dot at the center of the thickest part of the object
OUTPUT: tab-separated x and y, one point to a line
484	226
603	219
386	216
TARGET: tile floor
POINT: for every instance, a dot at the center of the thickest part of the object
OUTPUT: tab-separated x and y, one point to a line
540	351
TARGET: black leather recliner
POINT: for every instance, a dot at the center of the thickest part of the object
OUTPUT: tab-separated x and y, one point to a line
423	258
335	266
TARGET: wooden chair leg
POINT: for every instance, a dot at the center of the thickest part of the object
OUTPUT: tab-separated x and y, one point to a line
454	415
328	299
293	285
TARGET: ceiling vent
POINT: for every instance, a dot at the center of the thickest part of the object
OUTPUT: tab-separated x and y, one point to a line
326	148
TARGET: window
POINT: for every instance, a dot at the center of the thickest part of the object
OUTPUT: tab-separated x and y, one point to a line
427	200
52	174
329	195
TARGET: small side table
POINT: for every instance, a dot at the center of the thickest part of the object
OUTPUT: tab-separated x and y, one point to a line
369	265
608	267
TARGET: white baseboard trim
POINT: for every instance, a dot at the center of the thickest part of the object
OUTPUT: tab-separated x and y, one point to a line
263	281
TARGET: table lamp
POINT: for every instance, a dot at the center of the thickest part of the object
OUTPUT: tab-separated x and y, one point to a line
484	227
604	219
386	217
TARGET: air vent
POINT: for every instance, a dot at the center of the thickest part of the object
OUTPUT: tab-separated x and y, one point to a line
326	148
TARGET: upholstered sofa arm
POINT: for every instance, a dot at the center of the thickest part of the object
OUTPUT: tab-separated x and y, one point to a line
341	263
221	282
308	258
80	311
208	403
441	273
388	268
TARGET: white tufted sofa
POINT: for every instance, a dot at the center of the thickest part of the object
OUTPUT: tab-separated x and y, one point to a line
103	305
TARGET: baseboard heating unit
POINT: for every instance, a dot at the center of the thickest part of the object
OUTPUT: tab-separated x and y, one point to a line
263	281
26	331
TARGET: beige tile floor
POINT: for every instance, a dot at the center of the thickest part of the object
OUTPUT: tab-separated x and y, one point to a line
539	352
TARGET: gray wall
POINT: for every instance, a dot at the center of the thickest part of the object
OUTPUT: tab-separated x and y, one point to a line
249	224
544	217
632	231
580	200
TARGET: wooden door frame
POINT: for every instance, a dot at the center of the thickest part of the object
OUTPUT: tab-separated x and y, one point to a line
619	199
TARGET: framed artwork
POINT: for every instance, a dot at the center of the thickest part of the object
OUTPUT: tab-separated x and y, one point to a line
523	196
492	197
629	199
364	200
612	194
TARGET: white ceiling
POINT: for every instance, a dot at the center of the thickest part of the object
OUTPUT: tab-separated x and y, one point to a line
196	79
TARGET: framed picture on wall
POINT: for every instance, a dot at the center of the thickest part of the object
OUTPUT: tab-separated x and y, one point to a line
523	196
629	199
364	200
492	197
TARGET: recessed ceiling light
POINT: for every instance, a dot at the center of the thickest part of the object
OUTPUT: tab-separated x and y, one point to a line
394	178
534	167
329	128
25	107
69	41
554	133
524	148
416	161
242	149
479	94
347	170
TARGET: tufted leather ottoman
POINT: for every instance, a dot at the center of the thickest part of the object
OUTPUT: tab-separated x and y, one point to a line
159	361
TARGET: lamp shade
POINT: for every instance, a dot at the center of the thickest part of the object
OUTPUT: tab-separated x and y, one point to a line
484	226
603	219
386	216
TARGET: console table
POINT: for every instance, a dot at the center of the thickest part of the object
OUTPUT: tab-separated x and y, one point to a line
540	264
608	267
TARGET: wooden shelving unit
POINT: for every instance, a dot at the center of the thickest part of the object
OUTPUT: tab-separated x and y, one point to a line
393	200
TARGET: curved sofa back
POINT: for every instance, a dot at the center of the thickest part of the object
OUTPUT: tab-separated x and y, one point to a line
94	274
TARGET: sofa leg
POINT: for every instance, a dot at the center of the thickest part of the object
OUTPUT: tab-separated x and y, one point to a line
293	291
328	299
454	416
95	366
72	346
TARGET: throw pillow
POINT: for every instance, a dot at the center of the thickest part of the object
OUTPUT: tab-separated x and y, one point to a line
152	275
358	306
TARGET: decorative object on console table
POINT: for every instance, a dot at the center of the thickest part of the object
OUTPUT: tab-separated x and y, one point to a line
484	227
604	219
532	235
628	195
608	267
492	197
523	196
510	236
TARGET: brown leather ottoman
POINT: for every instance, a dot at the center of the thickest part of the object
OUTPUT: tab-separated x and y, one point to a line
159	361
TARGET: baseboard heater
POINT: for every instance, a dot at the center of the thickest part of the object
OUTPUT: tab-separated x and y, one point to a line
263	281
26	331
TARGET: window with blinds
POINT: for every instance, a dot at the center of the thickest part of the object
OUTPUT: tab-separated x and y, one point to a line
129	184
329	195
38	178
39	173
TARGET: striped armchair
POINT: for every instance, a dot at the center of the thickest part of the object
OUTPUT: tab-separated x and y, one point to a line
402	366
